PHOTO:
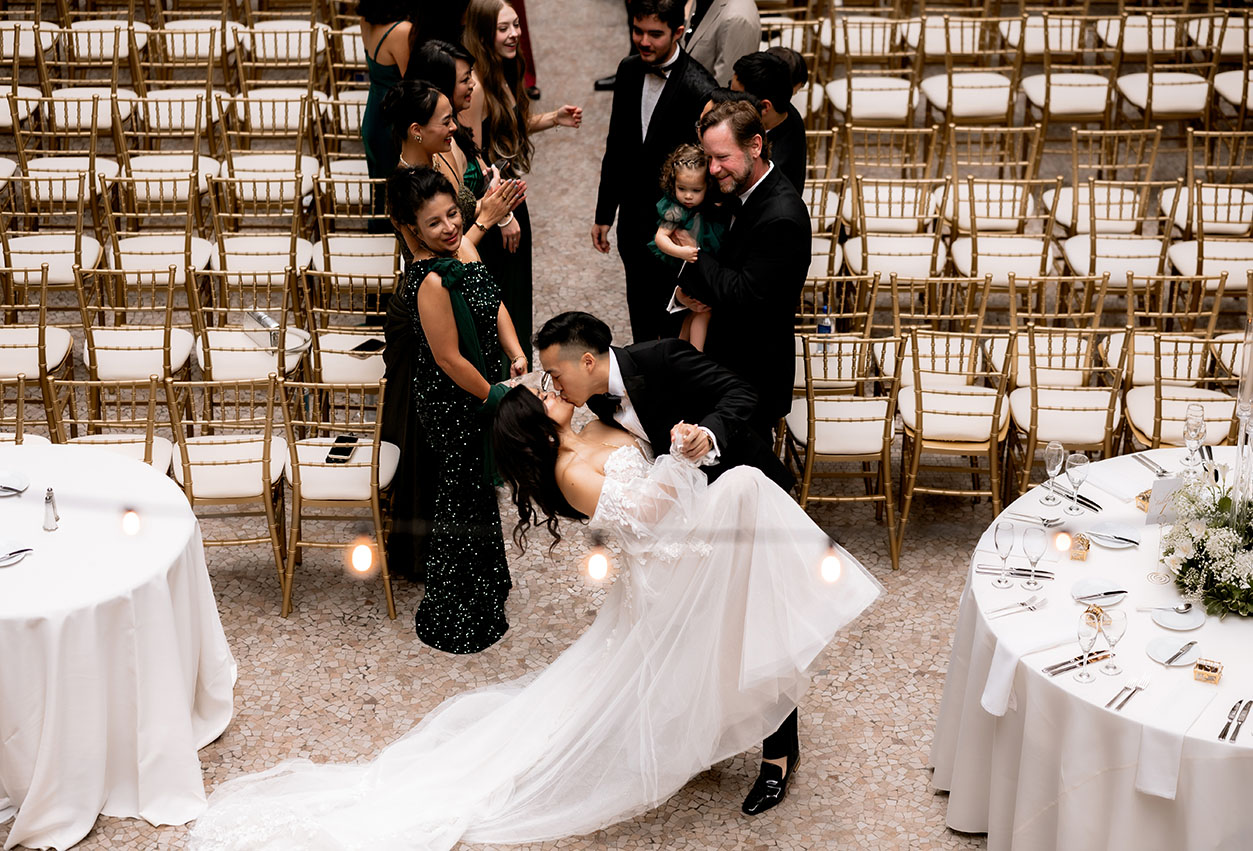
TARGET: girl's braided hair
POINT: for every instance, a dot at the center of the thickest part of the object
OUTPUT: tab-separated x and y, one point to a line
686	155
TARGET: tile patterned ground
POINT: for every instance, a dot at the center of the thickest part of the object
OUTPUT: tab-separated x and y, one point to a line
337	680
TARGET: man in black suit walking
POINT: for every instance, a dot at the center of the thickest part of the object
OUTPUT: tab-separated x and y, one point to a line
755	281
657	99
659	390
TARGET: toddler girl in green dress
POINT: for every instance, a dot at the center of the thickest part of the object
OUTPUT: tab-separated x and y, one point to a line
683	180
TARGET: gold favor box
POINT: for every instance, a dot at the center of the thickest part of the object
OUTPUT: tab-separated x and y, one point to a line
1079	546
1207	671
1142	500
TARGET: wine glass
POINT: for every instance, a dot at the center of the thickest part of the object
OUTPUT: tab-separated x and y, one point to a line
1088	629
1193	435
1077	473
1003	537
1054	457
1114	625
1034	543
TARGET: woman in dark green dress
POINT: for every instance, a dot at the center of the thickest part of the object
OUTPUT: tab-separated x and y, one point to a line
385	32
459	328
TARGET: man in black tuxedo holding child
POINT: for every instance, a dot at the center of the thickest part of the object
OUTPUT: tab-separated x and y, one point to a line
658	96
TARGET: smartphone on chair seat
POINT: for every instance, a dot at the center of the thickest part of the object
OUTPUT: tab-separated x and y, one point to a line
341	449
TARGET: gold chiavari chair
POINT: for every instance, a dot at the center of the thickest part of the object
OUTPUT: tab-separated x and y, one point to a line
194	36
846	416
153	222
257	221
1127	232
85	66
315	416
1231	87
881	73
1184	375
267	138
897	227
346	312
247	325
13	428
981	75
1076	83
344	205
229	459
1073	396
123	418
955	406
1173	304
847	300
1223	243
1004	228
1115	157
42	225
29	344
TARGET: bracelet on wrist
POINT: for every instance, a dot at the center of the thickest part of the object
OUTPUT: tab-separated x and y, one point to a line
480	226
505	222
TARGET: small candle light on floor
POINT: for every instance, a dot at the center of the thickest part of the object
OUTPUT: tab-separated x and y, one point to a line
130	522
598	558
832	567
362	556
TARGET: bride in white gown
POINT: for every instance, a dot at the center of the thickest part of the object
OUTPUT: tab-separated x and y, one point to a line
721	603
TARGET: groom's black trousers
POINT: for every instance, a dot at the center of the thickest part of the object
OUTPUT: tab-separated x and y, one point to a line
783	742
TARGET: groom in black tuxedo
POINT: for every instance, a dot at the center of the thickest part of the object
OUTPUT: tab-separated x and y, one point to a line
656	390
657	99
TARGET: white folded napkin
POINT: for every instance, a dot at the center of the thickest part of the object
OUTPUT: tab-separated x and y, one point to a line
1161	745
1012	644
1124	477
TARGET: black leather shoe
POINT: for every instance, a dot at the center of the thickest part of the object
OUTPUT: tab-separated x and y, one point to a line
605	84
770	788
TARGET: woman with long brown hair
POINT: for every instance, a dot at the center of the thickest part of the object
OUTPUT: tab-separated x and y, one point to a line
492	35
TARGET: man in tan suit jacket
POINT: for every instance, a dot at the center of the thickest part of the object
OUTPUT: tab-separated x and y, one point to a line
720	32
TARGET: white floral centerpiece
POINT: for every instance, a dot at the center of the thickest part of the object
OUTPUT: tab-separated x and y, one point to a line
1209	550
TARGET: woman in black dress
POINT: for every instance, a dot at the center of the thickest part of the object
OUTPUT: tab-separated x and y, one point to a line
458	329
492	35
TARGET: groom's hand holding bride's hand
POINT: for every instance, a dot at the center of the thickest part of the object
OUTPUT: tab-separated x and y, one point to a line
694	444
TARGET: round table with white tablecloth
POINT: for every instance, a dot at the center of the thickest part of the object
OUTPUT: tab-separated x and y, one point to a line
1037	761
114	670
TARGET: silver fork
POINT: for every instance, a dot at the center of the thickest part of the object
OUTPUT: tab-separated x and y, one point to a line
1140	686
1027	602
1046	522
1026	607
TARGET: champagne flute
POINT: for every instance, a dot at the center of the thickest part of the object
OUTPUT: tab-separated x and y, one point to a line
1054	457
1088	629
1194	429
1034	543
1077	473
1114	626
1003	537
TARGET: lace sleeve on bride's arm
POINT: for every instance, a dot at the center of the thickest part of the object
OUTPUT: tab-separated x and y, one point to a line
651	511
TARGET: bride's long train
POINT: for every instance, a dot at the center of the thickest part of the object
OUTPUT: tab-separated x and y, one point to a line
699	651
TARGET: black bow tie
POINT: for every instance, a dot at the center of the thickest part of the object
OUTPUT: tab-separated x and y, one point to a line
612	400
657	70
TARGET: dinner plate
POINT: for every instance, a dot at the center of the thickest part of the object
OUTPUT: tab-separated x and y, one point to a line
1099	534
7	546
1097	585
13	479
1171	619
1163	647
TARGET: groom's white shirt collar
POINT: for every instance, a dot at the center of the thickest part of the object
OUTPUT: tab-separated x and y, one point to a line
626	417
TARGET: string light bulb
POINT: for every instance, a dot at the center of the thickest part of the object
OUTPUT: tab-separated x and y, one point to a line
598	561
361	555
1062	542
832	567
130	522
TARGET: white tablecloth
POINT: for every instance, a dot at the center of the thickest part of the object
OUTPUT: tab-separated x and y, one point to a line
1057	770
114	669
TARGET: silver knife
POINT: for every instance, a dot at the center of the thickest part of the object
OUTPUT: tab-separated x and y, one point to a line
1231	716
1182	650
1130	686
1113	537
1157	469
1050	668
1070	666
1244	713
1088	598
1087	503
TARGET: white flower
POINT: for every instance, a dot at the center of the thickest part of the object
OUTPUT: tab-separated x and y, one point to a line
1174	561
1196	528
1185	548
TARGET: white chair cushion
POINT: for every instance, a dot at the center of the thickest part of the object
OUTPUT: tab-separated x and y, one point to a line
174	109
72	106
833	361
1001	255
158	253
236	357
1174	92
1233	35
58	168
133	354
19	350
339	367
977	94
809	99
288	39
277	108
349	481
164	176
94	38
132	446
23	106
1219	409
9	437
1225	210
262	254
822	253
861	435
955	413
25	39
1233	257
195	43
1136	41
997	206
874	99
214	478
1110	202
55	249
824	205
1070	94
1076	417
354	45
357	254
1056	360
271	167
1114	254
1231	85
907	256
1183	363
7	169
1062	36
892	208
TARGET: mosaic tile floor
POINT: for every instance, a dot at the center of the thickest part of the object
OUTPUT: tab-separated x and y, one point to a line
337	680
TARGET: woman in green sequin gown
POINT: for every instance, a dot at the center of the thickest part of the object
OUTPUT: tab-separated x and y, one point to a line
459	329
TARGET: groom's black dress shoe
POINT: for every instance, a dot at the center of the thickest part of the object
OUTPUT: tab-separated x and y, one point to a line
771	786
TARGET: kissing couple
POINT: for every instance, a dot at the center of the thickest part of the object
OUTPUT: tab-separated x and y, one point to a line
724	596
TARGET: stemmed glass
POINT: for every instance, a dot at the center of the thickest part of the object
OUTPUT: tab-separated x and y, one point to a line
1034	543
1088	629
1193	435
1114	625
1003	537
1077	473
1054	457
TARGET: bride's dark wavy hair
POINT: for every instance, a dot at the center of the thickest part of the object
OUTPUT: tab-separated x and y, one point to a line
526	445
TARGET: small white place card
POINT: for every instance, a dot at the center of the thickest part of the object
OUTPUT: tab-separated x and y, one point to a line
1162	500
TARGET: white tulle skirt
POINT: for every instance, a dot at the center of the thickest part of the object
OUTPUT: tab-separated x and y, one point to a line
696	655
